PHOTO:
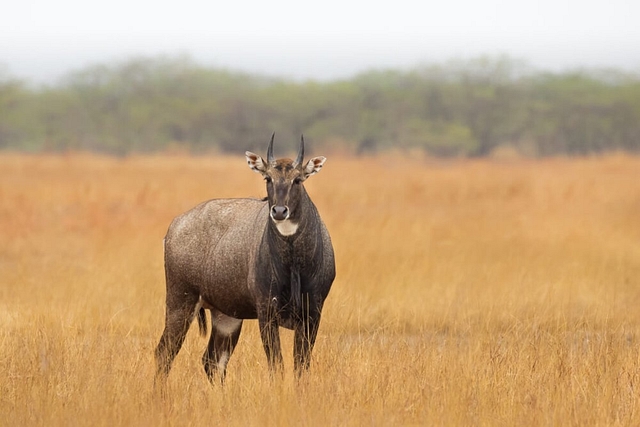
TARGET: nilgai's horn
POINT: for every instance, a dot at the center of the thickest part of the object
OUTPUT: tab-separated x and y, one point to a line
270	158
300	153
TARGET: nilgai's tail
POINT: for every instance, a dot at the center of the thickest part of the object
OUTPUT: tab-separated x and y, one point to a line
202	321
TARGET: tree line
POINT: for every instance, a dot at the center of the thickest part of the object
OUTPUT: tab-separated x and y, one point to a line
460	108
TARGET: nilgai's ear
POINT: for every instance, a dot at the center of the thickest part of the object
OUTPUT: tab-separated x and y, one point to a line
313	166
256	163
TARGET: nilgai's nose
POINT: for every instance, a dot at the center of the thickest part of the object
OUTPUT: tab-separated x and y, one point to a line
279	213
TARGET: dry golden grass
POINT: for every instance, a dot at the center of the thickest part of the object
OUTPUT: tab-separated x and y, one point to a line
468	293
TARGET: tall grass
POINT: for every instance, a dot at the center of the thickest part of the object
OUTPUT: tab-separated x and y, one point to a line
468	293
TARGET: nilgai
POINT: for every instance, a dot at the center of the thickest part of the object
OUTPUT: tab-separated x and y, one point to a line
269	259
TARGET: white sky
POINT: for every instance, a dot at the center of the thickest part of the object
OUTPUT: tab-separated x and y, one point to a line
42	39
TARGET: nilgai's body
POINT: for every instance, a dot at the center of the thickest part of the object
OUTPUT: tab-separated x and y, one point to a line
268	259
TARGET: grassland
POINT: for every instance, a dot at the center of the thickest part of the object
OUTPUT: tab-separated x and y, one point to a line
468	293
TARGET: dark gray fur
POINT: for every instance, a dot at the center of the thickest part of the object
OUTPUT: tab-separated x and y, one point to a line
227	256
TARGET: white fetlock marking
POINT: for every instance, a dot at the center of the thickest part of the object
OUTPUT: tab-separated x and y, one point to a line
286	227
222	361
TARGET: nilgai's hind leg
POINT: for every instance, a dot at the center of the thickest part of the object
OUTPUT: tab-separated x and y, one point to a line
179	315
225	332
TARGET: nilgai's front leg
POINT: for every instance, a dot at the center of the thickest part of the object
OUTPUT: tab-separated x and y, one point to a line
270	335
306	331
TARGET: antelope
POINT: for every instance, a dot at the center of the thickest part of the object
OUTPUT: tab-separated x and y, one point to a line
269	259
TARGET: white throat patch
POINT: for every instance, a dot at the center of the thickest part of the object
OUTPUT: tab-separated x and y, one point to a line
286	227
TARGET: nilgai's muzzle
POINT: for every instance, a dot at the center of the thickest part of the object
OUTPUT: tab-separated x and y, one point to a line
279	213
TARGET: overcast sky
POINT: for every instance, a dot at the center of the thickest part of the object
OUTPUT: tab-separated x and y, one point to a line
42	39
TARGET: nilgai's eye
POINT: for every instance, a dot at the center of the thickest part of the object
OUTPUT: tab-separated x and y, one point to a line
267	178
297	180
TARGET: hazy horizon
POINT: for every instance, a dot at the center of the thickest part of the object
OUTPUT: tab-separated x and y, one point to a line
42	41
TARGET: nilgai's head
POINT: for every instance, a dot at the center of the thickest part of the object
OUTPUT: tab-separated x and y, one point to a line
284	179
